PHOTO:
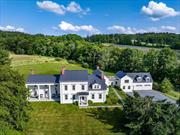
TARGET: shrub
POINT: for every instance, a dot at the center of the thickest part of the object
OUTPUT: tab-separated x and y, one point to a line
85	65
166	86
90	102
72	61
75	103
58	59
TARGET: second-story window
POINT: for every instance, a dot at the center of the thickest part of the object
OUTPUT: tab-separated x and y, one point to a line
65	87
82	87
126	81
73	87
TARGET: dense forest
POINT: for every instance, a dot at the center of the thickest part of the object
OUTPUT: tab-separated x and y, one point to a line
162	64
146	39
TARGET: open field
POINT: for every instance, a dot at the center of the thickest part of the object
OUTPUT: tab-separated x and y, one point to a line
52	118
43	65
143	48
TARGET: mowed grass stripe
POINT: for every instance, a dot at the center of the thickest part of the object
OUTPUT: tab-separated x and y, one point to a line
49	118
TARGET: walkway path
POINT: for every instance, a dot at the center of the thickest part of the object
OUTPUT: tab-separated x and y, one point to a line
106	106
117	94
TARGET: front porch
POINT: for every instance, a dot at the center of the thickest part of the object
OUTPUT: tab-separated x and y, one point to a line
83	98
44	93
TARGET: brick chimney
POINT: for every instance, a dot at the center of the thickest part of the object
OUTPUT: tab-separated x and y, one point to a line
102	76
62	70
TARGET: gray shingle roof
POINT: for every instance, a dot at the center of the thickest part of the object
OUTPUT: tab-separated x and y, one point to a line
143	75
43	79
95	79
74	75
134	76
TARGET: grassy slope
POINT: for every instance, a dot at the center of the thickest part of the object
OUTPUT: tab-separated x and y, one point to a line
52	118
43	65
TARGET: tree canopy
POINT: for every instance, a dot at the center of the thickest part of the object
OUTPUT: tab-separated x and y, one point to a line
14	106
143	116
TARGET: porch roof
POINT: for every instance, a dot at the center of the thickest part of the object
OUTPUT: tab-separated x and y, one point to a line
83	93
43	79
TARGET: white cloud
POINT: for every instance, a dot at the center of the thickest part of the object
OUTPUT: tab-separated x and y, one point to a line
51	6
168	28
76	8
157	11
68	27
132	30
125	30
73	7
11	28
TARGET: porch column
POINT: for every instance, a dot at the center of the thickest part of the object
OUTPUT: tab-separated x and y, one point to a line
49	91
38	92
79	100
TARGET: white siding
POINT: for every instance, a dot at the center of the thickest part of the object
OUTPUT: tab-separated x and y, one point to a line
96	96
70	92
126	86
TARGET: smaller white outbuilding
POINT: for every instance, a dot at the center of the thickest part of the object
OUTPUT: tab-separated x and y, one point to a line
129	82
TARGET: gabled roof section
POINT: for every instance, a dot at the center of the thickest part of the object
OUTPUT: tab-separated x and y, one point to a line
134	76
97	72
92	79
43	79
142	75
74	75
120	74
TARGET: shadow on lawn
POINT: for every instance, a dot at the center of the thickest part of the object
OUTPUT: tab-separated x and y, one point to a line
110	116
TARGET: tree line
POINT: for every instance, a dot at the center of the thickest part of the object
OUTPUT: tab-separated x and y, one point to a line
146	39
14	107
160	63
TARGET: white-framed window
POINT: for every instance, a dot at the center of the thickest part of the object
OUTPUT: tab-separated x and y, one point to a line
73	97
73	87
126	81
124	87
100	96
147	79
129	87
92	96
82	87
66	97
65	87
147	85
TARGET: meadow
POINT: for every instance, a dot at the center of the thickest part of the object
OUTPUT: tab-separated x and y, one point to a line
25	64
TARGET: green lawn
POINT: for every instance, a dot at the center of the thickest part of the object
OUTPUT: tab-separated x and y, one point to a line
43	65
52	118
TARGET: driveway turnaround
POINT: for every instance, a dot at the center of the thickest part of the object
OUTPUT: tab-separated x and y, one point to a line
152	93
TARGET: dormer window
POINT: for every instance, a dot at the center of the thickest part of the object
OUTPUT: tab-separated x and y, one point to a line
96	86
139	79
147	79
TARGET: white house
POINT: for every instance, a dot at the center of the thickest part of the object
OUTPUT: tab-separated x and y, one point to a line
129	82
69	86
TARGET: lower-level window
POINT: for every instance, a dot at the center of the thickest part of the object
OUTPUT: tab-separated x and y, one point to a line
129	87
66	97
100	96
124	87
92	96
74	97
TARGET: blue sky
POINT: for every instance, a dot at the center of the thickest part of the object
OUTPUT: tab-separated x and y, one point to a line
86	17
